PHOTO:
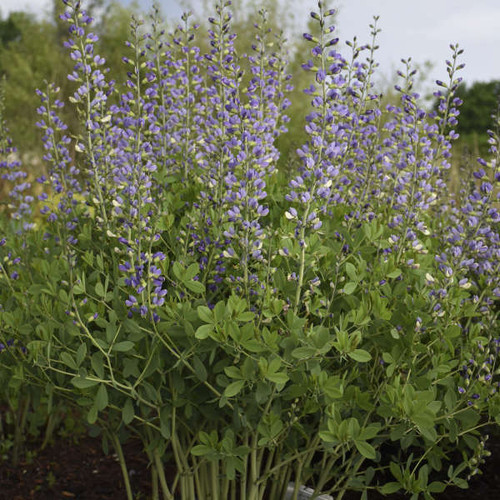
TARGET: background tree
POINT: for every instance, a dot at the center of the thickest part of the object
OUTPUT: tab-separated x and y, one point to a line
480	102
8	31
32	53
282	19
26	61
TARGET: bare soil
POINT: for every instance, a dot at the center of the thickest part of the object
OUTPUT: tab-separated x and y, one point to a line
82	471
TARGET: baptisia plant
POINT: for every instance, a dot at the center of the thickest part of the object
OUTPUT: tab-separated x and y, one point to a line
335	328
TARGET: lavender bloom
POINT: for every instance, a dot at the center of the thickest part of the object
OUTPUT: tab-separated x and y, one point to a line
416	156
341	130
91	99
262	121
11	172
119	157
63	178
174	92
473	236
338	166
239	127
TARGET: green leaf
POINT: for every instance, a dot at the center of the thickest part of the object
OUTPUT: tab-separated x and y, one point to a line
327	437
428	432
246	316
351	272
436	487
278	378
453	331
63	296
468	417
92	415
101	399
124	346
205	314
304	352
233	330
274	365
366	449
332	387
360	355
233	372
423	476
390	488
369	432
234	388
387	358
350	287
81	353
199	369
461	483
68	360
276	306
200	450
422	416
97	364
394	274
191	272
111	331
396	471
78	289
353	427
450	399
195	286
128	412
99	290
219	310
253	345
394	334
83	383
165	428
204	331
177	270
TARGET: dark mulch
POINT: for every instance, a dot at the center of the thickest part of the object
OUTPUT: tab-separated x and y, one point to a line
82	471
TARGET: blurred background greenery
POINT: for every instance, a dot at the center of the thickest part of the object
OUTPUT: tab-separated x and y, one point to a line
32	53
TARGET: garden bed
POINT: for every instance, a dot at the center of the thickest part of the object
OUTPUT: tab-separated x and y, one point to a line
330	322
82	471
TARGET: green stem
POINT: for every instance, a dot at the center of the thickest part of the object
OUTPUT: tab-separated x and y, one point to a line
154	483
325	472
269	462
243	482
253	487
349	476
302	264
285	462
214	480
298	478
173	351
225	488
123	464
161	475
286	479
233	490
199	484
20	423
51	422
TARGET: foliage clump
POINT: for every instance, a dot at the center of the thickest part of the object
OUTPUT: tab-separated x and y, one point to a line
334	326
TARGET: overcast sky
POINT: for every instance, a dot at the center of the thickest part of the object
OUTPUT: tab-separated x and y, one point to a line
422	29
